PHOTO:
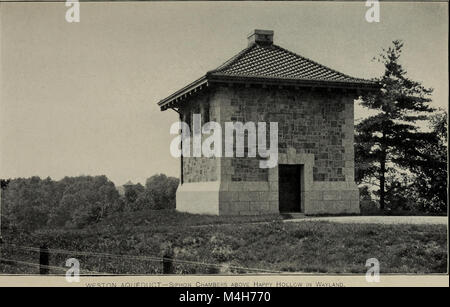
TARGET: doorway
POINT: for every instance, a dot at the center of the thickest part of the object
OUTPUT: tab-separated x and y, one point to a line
289	187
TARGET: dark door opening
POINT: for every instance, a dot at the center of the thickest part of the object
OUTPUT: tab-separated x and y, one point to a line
289	187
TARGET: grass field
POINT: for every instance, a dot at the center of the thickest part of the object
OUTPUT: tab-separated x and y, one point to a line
318	247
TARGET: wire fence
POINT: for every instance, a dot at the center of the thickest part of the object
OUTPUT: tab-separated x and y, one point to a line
161	264
47	267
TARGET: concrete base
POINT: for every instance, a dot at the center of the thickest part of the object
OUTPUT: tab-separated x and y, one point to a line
227	198
332	198
256	198
199	198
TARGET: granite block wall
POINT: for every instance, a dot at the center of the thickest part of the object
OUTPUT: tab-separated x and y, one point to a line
315	130
318	122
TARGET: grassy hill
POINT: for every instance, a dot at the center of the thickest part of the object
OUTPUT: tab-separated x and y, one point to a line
261	242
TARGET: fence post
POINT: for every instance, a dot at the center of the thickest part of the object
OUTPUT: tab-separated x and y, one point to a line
167	253
168	267
44	260
1	246
1	239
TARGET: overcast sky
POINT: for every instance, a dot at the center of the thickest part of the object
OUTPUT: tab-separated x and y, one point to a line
81	98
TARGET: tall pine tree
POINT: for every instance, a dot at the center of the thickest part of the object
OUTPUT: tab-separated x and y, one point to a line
430	169
391	137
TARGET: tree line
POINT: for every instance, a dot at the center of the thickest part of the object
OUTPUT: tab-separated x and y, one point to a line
76	202
400	164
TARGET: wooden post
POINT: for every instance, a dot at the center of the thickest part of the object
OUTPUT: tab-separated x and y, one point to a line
44	260
3	184
1	240
168	264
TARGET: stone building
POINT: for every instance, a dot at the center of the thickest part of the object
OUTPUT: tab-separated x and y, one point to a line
313	106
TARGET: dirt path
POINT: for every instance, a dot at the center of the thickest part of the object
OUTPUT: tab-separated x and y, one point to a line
415	220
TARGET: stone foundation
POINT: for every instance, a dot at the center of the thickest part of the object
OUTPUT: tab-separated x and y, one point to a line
257	198
199	198
336	198
261	197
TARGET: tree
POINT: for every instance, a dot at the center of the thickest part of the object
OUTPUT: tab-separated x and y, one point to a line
391	137
25	203
81	201
132	192
162	189
400	195
144	201
4	183
430	169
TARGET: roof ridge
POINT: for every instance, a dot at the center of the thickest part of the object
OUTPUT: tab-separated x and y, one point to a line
232	60
316	63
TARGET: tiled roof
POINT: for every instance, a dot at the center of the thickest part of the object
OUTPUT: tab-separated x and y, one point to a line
272	61
269	63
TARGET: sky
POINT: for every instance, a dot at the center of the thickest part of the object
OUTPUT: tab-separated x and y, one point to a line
80	98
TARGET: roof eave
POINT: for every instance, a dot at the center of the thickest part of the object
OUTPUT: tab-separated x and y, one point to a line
365	84
213	77
171	101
